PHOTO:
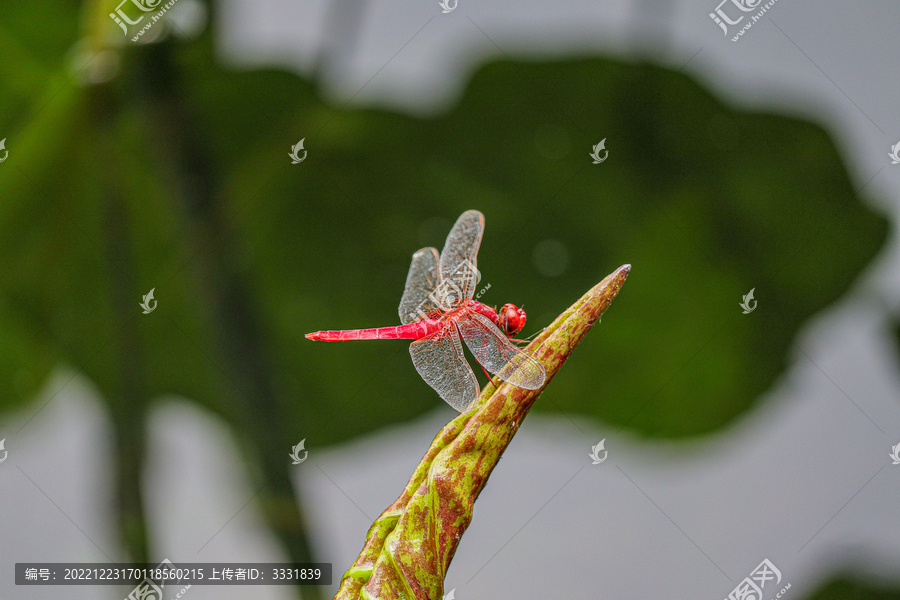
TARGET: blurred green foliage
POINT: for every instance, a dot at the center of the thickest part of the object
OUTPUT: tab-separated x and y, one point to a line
850	588
705	200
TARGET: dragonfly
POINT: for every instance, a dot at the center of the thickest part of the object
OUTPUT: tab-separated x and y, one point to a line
437	310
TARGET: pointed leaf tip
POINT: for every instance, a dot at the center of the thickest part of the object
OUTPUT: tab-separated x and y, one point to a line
409	547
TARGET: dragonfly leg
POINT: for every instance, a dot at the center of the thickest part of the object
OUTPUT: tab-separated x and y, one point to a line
491	377
529	339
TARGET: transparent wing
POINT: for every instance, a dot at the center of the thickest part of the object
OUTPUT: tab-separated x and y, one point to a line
495	352
459	273
424	276
440	361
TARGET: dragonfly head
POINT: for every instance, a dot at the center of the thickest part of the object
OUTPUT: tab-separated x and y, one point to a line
511	319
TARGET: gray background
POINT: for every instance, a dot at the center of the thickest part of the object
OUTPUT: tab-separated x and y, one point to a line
804	479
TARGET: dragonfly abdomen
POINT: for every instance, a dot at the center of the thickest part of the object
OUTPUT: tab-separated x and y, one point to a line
410	331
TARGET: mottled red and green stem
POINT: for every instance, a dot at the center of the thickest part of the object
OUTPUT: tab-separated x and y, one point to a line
410	546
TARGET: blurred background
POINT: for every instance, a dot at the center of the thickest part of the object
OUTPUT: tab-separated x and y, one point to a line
163	164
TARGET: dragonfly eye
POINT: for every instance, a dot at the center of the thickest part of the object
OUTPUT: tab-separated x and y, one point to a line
512	319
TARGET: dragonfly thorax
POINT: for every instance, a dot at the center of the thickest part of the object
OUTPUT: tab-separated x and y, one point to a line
510	318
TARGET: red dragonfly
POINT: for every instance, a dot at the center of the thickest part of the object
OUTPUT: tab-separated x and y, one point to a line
437	309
